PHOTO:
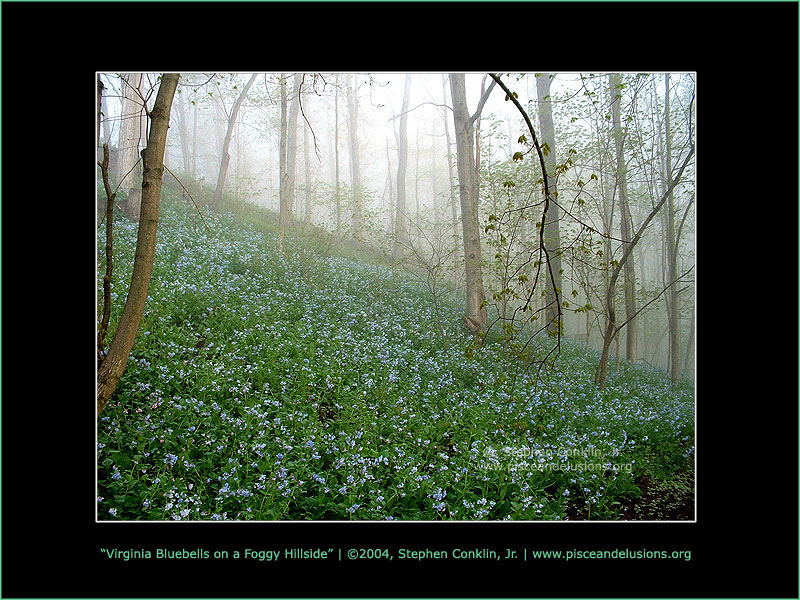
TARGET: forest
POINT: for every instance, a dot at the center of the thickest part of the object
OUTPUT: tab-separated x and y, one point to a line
395	296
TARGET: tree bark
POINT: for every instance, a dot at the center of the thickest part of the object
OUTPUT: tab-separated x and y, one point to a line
672	252
113	365
131	133
226	144
291	145
307	166
450	176
401	218
283	218
626	226
476	319
611	327
336	158
355	168
552	237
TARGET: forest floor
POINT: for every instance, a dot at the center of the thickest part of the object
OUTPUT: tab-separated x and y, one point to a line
310	385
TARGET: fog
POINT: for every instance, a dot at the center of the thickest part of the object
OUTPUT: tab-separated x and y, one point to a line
510	176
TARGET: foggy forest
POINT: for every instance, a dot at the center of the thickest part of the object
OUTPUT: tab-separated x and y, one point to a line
395	296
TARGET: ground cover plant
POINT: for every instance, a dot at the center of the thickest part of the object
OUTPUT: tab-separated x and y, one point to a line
306	385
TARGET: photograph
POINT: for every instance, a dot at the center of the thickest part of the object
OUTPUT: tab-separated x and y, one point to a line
396	296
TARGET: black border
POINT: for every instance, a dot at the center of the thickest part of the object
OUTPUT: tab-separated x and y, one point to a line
745	542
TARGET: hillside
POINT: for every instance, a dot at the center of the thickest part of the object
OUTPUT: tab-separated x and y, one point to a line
314	386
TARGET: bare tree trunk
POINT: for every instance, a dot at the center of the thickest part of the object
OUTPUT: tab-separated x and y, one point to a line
611	326
433	184
131	134
336	152
672	253
194	141
307	164
113	365
183	128
291	144
226	144
450	175
626	226
476	319
416	179
401	218
689	346
283	219
552	236
355	172
101	334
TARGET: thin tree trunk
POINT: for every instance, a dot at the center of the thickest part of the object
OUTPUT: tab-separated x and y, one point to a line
291	145
672	253
113	365
283	219
101	334
194	141
307	165
355	172
226	157
183	127
611	328
131	133
626	227
401	218
552	236
450	175
336	152
476	319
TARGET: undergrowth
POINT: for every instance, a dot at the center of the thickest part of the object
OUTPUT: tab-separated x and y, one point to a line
313	386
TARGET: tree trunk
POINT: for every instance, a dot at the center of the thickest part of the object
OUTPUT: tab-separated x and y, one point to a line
131	134
113	366
476	319
626	227
226	144
401	218
672	253
307	165
183	128
283	218
291	145
552	236
336	153
194	141
611	328
450	175
355	173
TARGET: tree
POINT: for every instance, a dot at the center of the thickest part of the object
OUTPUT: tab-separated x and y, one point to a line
113	364
612	328
355	167
450	177
626	227
552	237
401	218
672	250
132	131
283	219
291	142
226	157
336	158
475	318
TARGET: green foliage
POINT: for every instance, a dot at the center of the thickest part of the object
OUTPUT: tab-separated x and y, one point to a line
309	386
